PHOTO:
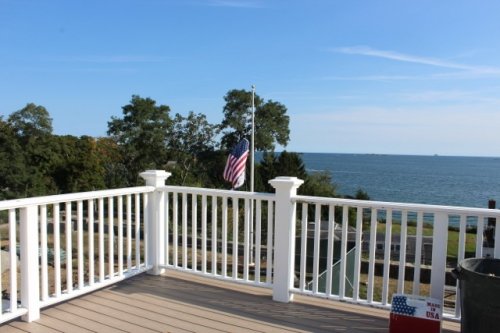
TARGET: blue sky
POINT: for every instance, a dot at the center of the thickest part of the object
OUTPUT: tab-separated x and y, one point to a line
392	77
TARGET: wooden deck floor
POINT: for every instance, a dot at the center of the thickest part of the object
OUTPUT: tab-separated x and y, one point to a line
179	302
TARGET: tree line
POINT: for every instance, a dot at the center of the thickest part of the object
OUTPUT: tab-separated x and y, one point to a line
34	161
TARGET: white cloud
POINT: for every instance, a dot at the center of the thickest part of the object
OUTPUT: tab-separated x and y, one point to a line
453	96
401	57
463	75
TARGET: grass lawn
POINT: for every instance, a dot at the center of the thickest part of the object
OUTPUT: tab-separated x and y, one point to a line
453	237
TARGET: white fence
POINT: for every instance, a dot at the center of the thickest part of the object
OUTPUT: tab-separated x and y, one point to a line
69	245
209	232
366	245
349	250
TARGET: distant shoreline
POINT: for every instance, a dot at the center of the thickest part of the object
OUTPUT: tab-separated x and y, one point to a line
464	181
390	154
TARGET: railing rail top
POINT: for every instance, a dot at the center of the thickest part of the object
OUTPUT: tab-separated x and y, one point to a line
400	206
218	192
53	199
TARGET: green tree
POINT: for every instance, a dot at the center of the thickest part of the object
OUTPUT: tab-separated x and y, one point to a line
319	184
32	121
191	137
271	121
12	164
112	160
265	171
211	167
142	135
32	126
361	195
291	165
282	164
80	168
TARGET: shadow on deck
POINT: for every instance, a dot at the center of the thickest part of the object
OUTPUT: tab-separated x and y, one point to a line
178	302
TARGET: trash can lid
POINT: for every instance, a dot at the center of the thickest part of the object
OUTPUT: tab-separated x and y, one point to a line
484	266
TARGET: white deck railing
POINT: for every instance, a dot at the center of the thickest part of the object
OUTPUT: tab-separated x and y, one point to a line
349	250
373	280
69	245
209	231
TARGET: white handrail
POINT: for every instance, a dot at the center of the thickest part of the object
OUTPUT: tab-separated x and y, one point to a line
61	198
382	205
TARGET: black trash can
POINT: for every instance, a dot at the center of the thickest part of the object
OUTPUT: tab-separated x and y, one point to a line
479	295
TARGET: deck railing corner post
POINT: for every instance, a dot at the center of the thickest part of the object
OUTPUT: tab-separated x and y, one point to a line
284	237
155	238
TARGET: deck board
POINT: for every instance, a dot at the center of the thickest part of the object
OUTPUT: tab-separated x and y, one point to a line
60	325
180	302
80	321
37	327
187	314
11	329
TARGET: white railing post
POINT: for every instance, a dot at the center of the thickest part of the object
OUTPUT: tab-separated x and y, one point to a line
155	238
439	253
284	237
30	279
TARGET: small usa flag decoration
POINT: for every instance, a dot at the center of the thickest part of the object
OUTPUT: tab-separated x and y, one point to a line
415	314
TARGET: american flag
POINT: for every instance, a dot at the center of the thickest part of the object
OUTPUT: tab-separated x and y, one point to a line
234	172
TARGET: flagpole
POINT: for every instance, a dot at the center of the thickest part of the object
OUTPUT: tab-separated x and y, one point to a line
253	141
252	175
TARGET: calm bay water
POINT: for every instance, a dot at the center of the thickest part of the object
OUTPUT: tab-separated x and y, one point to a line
440	180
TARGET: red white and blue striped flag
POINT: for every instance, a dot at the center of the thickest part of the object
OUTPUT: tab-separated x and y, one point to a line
234	172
